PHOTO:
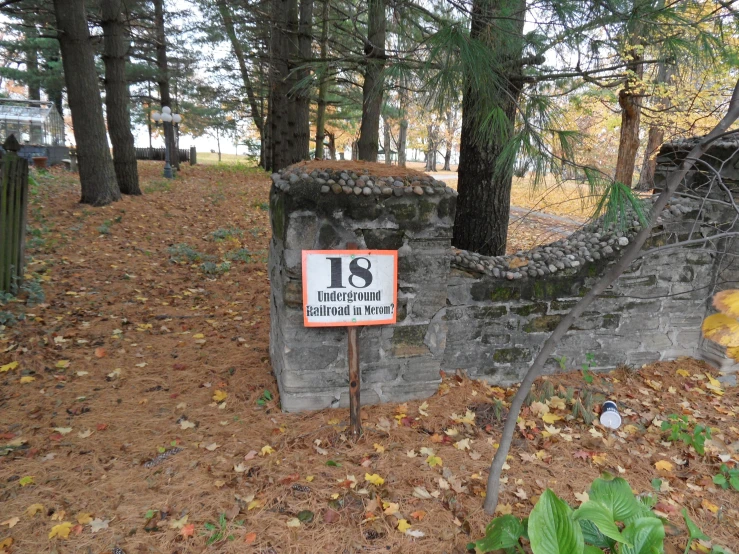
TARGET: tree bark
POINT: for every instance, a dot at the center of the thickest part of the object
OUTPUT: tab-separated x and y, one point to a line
283	108
97	175
614	272
163	77
228	24
386	141
117	97
302	93
449	138
372	88
331	145
484	185
628	142
402	137
323	85
34	90
656	135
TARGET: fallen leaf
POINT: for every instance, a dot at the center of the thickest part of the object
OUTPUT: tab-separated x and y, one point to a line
179	523
708	505
422	493
84	434
663	465
434	461
251	455
293	522
403	525
379	448
266	450
188	530
11	522
212	446
504	509
418	514
61	530
220	396
464	444
27	379
83	518
185	424
27	480
6	543
100	352
249	538
254	504
33	509
550	418
98	524
374	478
390	508
8	367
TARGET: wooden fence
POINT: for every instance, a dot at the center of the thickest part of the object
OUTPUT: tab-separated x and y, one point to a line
158	154
13	208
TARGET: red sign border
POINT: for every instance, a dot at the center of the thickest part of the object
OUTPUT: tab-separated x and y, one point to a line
393	253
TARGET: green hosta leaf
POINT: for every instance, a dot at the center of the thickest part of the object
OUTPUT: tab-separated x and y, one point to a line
616	495
592	550
502	532
693	530
593	535
552	529
646	535
720	480
734	482
602	516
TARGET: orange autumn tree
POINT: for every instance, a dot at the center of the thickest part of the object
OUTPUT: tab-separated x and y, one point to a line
723	327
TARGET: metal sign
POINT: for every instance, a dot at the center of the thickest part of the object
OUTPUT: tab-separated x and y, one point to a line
349	287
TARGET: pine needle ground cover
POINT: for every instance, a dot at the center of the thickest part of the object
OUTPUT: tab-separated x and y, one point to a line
138	407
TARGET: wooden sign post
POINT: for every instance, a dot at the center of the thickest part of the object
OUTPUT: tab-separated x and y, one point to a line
350	288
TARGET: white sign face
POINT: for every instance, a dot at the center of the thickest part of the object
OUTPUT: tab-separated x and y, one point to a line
349	287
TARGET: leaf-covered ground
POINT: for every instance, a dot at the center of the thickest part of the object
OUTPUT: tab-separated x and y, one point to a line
137	406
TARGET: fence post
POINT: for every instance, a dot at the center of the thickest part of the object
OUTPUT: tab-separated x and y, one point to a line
193	156
13	207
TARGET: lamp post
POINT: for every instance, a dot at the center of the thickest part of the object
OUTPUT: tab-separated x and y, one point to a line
169	120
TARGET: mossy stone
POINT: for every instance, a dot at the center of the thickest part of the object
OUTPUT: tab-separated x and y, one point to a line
537	308
541	324
511	355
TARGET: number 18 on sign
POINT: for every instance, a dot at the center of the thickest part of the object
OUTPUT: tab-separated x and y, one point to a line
350	288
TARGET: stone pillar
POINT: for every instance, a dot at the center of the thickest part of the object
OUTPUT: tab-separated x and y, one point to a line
325	209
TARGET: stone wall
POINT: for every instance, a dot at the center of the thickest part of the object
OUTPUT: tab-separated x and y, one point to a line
488	316
328	209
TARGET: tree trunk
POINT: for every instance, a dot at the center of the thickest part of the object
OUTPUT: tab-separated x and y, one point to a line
282	106
163	77
483	204
97	175
386	141
628	141
449	138
372	88
402	138
228	24
218	141
323	85
656	135
302	94
117	97
34	90
331	146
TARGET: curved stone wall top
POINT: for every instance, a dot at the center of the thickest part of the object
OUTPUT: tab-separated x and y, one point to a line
358	179
588	245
